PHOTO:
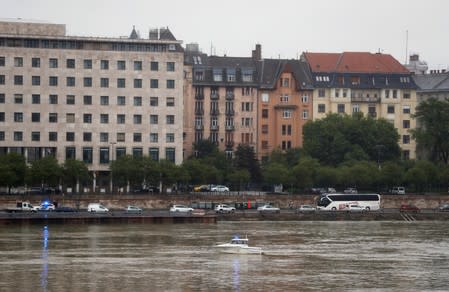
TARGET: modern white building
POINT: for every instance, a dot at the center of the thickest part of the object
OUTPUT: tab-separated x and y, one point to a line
90	98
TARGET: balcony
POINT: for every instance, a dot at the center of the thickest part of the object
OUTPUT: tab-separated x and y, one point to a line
214	95
199	111
372	114
365	99
229	144
214	127
199	127
214	112
230	112
199	96
230	127
230	95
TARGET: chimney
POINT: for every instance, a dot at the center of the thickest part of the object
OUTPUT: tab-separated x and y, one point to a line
257	53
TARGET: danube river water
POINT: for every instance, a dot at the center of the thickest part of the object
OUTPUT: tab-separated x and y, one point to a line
300	256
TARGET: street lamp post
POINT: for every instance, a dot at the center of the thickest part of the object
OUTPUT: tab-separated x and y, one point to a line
112	159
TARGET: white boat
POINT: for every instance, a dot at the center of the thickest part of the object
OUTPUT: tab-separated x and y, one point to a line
239	246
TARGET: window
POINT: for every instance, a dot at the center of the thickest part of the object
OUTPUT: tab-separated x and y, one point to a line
170	83
121	65
390	109
341	108
70	153
154	154
104	118
121	100
265	113
355	80
305	98
104	155
137	83
87	155
345	93
395	93
87	64
35	117
35	98
321	92
264	129
71	63
218	75
104	82
153	119
230	74
405	139
121	137
18	98
87	136
53	136
53	117
285	82
137	65
70	136
153	137
406	94
18	62
284	98
355	108
104	137
120	151
137	152
104	65
53	99
170	137
70	118
247	75
104	100
70	99
137	137
2	98
18	80
120	119
154	66
199	75
154	83
70	81
305	114
87	118
265	97
2	116
170	119
18	136
170	66
137	101
53	81
121	83
321	108
137	119
287	114
87	81
18	117
2	79
87	99
387	93
53	63
2	61
35	80
154	101
170	101
406	124
406	109
170	154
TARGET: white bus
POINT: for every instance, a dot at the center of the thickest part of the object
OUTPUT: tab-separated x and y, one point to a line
336	202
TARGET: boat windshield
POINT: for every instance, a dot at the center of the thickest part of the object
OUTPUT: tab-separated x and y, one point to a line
239	241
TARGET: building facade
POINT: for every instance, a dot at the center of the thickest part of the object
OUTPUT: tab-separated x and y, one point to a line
88	98
376	85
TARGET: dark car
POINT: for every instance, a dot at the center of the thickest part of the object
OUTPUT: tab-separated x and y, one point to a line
65	209
409	208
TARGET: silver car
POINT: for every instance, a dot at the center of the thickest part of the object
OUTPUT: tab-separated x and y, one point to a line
181	208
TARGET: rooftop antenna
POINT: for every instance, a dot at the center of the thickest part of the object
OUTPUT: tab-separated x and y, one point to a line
406	47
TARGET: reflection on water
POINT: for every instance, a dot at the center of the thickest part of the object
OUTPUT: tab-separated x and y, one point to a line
393	256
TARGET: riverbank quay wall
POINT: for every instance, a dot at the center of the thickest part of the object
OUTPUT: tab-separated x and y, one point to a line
163	201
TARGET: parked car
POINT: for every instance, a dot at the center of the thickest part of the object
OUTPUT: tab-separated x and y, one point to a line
268	209
444	208
350	191
223	208
355	208
409	208
45	206
219	188
201	188
306	209
398	190
133	209
65	209
97	207
181	208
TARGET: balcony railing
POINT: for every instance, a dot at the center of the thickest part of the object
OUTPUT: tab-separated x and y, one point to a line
214	112
214	95
230	127
199	96
199	127
365	99
230	112
214	127
199	111
230	95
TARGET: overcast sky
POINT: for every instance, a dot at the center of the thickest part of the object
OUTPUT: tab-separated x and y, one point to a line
284	28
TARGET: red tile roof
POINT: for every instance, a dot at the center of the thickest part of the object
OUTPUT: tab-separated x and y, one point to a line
354	62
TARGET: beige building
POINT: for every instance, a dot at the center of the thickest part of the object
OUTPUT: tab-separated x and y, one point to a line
90	98
375	84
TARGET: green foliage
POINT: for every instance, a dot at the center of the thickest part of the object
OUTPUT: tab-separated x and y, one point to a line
45	171
205	148
433	135
12	170
245	158
276	173
75	171
239	178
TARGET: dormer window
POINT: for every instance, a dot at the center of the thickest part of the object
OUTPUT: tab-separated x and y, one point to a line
199	75
247	75
230	74
355	80
285	82
218	75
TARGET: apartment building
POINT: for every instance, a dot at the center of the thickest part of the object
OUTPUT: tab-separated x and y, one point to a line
90	98
285	100
220	100
375	84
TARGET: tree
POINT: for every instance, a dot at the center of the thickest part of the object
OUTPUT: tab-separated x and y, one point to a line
245	158
75	172
12	170
205	148
305	171
45	171
275	173
127	170
432	136
239	178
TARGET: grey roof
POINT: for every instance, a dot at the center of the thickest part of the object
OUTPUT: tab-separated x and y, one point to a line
272	68
165	34
134	34
432	82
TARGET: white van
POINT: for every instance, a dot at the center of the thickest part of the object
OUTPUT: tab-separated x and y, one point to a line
398	190
96	207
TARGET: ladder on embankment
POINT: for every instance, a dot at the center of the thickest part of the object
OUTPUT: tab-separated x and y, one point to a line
407	217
